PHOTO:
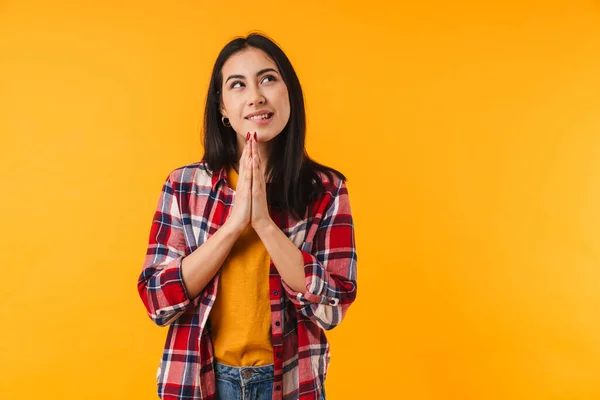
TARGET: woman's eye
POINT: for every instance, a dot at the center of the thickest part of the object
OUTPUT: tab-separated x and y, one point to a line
238	84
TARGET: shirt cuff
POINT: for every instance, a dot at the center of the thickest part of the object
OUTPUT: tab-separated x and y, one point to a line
315	277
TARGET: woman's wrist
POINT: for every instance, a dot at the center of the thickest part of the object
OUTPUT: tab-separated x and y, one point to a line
230	228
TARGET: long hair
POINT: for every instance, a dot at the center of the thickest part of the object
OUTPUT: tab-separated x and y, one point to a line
295	180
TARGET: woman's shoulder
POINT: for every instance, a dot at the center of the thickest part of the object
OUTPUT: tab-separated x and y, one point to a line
331	179
197	172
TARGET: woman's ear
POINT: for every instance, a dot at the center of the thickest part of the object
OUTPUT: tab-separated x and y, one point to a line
223	111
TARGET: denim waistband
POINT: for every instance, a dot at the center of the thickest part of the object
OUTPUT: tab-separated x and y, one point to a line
244	375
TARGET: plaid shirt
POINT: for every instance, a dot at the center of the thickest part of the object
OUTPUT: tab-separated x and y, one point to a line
192	206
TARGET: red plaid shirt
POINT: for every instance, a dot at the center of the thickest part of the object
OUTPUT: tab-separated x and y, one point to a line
192	206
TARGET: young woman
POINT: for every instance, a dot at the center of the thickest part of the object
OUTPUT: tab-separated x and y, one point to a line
251	254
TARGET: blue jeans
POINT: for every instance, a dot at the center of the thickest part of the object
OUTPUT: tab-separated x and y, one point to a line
245	383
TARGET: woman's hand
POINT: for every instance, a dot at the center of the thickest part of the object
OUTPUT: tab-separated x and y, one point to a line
241	213
260	211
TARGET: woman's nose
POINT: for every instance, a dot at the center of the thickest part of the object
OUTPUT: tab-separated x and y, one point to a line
256	98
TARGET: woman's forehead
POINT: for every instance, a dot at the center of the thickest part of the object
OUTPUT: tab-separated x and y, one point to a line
248	60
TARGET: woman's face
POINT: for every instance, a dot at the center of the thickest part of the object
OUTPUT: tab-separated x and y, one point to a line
252	84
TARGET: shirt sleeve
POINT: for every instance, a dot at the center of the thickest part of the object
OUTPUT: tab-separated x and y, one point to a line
330	267
160	284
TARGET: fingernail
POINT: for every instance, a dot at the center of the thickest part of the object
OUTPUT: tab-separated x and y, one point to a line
247	136
255	136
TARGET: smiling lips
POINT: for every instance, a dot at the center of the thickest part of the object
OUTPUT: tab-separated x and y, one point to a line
263	118
260	115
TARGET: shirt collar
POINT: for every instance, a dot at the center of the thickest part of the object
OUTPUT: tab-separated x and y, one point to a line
217	177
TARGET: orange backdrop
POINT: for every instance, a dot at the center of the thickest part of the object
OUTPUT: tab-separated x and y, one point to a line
470	136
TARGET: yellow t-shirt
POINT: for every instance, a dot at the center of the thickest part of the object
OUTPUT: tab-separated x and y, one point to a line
241	314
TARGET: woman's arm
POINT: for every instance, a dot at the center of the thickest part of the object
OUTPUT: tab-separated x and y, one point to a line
321	284
169	280
285	255
202	264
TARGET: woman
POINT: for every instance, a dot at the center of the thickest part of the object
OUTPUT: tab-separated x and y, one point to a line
251	253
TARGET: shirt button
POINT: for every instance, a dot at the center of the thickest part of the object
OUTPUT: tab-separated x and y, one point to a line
278	355
277	387
277	323
331	301
275	292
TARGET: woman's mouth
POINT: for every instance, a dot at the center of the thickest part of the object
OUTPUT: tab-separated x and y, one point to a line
262	119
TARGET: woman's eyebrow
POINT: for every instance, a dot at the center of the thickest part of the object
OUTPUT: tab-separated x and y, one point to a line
262	71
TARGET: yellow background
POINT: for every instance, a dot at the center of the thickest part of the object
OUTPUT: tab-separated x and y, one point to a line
470	136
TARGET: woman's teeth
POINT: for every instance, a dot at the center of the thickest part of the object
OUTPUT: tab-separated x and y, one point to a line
264	116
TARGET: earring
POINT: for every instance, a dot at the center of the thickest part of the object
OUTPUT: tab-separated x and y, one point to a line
225	121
